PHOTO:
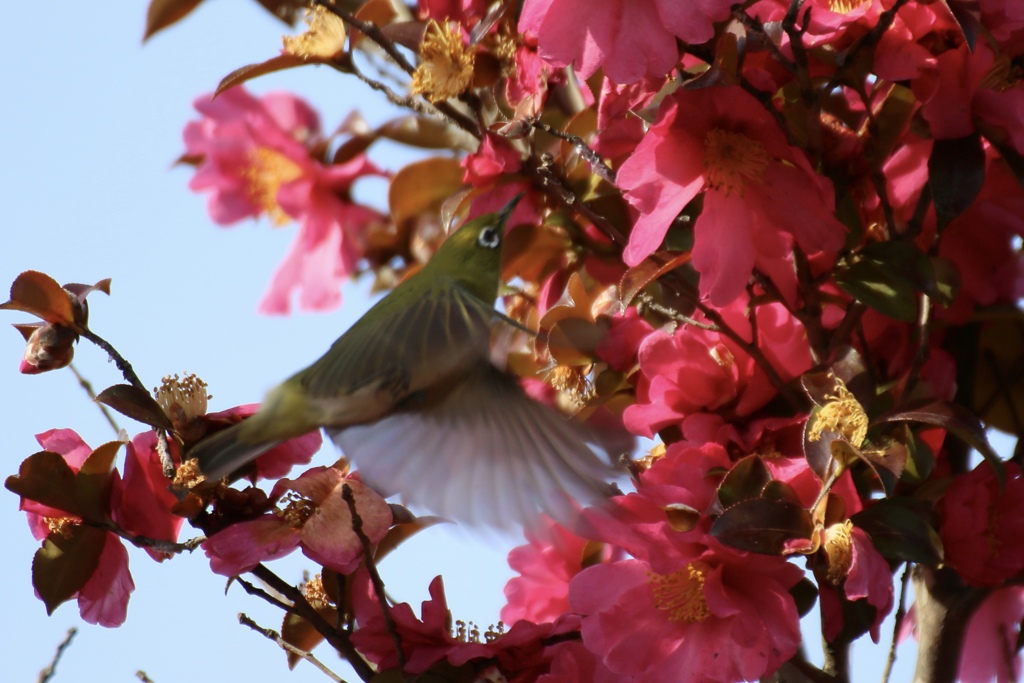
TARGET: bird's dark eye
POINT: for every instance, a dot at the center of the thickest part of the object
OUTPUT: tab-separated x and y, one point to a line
489	237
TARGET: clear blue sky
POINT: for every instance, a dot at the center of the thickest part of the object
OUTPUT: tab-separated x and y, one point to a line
91	123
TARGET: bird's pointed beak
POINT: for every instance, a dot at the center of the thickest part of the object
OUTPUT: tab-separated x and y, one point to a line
506	211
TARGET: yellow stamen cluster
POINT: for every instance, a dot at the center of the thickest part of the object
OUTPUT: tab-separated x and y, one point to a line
267	171
298	509
324	39
468	632
839	549
843	414
182	398
61	525
446	69
681	594
572	381
188	475
845	6
732	161
654	455
1002	75
315	594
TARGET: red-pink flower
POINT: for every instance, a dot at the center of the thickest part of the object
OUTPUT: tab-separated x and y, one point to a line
314	517
982	524
717	617
990	651
254	157
867	576
760	194
696	370
629	40
546	565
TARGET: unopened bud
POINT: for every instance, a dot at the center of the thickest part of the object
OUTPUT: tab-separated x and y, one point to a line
50	347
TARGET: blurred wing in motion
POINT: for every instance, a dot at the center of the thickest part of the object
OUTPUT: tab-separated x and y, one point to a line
482	452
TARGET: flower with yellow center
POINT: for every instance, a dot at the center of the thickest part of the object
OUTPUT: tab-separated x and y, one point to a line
681	594
733	160
843	414
839	550
182	399
324	39
446	69
845	6
267	171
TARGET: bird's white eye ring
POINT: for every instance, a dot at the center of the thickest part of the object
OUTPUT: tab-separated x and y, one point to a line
489	237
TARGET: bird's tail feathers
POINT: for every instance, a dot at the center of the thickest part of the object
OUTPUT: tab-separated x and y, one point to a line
223	452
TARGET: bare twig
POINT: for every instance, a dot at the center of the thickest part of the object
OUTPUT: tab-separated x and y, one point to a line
339	639
648	301
145	542
901	612
582	148
288	647
142	676
47	673
123	365
378	583
87	386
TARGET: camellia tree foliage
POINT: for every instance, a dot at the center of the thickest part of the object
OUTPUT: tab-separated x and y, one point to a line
780	239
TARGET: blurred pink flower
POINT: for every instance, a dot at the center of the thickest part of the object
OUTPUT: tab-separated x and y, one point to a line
546	565
255	157
696	370
760	194
621	344
982	524
629	40
990	651
314	517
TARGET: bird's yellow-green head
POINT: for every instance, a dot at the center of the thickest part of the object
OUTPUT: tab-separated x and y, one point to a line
472	255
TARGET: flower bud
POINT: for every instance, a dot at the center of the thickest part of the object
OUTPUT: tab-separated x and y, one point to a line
50	347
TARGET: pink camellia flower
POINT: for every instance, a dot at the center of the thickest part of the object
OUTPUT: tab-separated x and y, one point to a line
629	40
860	571
696	370
315	517
254	158
687	608
982	525
546	565
990	651
760	194
103	597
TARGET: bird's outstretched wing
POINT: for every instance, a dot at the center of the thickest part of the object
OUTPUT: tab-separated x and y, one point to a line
485	454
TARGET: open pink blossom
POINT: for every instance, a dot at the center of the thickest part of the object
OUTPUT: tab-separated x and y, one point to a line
546	565
254	157
982	524
717	617
760	194
629	40
103	597
313	516
867	577
694	370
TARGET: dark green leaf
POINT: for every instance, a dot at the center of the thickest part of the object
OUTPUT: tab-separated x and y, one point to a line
956	172
771	527
878	287
136	404
900	528
745	480
65	563
955	419
46	478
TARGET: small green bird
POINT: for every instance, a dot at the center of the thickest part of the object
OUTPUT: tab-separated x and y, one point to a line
411	396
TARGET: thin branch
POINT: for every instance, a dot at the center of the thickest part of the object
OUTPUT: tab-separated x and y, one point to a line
47	673
142	676
288	647
648	301
123	365
87	386
901	613
582	148
378	583
258	592
338	639
544	176
145	542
